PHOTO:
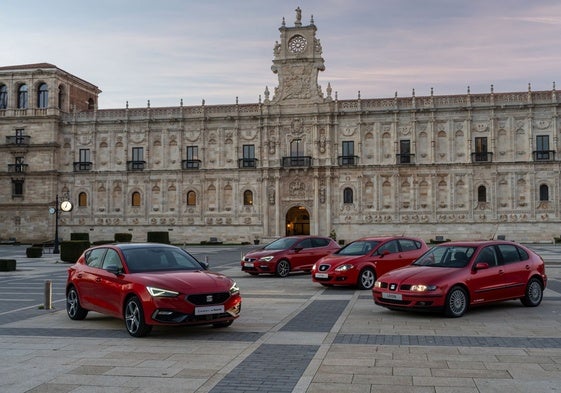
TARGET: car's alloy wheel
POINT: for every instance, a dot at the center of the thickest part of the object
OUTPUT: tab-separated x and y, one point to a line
134	318
73	308
283	268
534	293
366	279
456	302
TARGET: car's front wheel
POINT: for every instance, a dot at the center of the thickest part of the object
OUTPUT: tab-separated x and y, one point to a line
534	293
366	278
283	268
134	318
73	308
456	302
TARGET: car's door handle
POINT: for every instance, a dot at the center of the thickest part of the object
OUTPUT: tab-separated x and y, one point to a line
527	267
501	272
98	279
80	275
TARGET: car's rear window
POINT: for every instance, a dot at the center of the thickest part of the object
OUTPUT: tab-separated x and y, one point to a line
150	259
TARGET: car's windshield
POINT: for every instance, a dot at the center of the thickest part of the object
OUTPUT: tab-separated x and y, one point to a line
152	259
446	256
359	247
281	244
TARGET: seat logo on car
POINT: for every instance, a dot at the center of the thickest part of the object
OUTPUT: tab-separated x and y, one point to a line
209	298
393	287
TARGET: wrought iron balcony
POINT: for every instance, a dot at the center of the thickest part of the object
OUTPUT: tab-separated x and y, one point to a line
544	155
190	164
20	140
17	168
247	163
135	165
482	157
347	160
405	158
297	161
82	166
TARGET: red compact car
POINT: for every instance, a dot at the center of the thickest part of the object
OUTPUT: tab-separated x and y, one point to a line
454	276
361	261
287	254
149	284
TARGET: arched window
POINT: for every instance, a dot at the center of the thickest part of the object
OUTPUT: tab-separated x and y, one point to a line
3	97
43	96
481	194
82	199
348	195
247	198
22	97
191	198
135	200
544	193
91	104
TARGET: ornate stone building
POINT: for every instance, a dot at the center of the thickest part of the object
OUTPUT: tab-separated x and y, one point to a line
298	161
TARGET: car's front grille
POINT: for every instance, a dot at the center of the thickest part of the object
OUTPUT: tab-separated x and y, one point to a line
323	268
248	259
206	299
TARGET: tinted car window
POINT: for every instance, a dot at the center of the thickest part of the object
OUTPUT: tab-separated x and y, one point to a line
281	244
112	259
358	247
320	242
390	246
509	253
408	245
446	256
95	257
306	243
158	259
487	255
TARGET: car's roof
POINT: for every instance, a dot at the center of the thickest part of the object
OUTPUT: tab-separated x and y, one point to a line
476	243
383	238
129	246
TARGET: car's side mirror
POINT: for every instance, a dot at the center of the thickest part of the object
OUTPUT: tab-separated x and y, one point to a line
114	269
298	249
481	266
384	253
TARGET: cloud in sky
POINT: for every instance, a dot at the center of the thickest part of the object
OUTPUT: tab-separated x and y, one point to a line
217	50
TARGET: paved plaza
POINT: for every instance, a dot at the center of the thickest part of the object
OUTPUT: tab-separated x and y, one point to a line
293	336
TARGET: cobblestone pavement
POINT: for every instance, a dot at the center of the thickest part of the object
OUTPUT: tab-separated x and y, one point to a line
293	336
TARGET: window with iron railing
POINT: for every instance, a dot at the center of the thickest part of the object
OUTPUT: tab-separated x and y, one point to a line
84	163
137	163
192	161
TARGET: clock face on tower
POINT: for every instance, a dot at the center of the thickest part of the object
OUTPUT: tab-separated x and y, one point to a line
297	44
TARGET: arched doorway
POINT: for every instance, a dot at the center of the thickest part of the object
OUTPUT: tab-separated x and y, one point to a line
297	221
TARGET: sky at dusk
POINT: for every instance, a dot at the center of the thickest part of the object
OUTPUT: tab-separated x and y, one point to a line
217	50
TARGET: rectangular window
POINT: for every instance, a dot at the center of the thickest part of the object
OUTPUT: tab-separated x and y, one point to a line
296	148
138	154
17	188
19	167
84	155
481	149
20	139
248	160
348	153
192	161
542	147
404	151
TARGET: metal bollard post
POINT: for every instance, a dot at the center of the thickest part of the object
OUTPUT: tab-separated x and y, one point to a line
206	259
48	295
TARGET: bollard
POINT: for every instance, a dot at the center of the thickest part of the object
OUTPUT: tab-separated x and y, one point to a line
206	259
48	295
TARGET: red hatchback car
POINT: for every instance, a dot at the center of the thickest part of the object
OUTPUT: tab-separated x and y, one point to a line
287	254
361	261
149	284
454	276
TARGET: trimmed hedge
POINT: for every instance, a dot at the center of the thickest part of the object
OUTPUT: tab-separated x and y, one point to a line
34	252
123	237
101	242
80	236
7	265
71	250
158	237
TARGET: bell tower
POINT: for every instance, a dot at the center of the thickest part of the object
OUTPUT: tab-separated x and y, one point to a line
297	60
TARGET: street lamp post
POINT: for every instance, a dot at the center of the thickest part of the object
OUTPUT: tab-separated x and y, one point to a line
55	246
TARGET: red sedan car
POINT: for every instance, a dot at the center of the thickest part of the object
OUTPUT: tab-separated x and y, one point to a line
149	284
287	254
360	262
454	276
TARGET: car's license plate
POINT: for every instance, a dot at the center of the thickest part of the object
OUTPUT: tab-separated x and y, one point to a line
393	296
248	264
322	275
206	310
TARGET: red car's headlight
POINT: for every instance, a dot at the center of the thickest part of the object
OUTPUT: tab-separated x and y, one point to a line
159	292
422	288
344	268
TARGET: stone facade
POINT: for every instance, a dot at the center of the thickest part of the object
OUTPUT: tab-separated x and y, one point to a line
298	161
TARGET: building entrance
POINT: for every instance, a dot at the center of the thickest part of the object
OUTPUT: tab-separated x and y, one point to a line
297	221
